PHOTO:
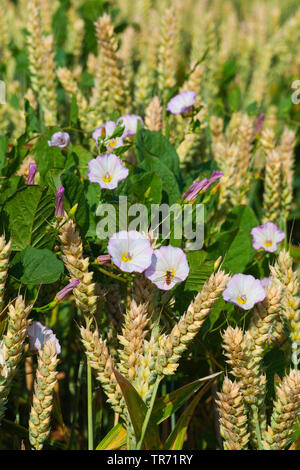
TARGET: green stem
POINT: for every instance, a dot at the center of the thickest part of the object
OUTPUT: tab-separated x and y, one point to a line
90	408
148	414
114	276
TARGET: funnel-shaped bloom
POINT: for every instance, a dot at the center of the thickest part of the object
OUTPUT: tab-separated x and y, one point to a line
103	259
168	267
59	209
107	170
63	293
39	335
182	103
60	140
130	251
267	237
203	185
130	121
31	173
244	290
104	133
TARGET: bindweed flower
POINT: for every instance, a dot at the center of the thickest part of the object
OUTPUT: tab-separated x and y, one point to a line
193	191
63	293
104	132
168	267
39	335
60	140
31	173
216	175
244	290
130	251
259	124
191	194
103	259
59	209
107	170
267	237
182	103
130	121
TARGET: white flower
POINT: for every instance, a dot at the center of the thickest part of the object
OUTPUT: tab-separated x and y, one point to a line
244	290
267	237
107	170
39	335
168	267
182	103
60	140
130	121
130	251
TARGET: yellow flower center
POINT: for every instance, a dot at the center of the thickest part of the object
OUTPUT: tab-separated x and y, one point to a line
113	143
242	299
126	257
107	178
268	243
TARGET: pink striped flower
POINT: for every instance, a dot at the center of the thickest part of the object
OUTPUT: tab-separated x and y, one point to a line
59	209
104	259
31	173
191	194
63	293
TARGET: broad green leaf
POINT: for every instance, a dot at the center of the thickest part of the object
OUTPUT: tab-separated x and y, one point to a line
29	212
156	154
235	240
75	194
3	150
176	438
84	156
34	266
137	411
219	306
169	183
146	187
114	439
170	403
48	158
154	144
32	122
200	270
